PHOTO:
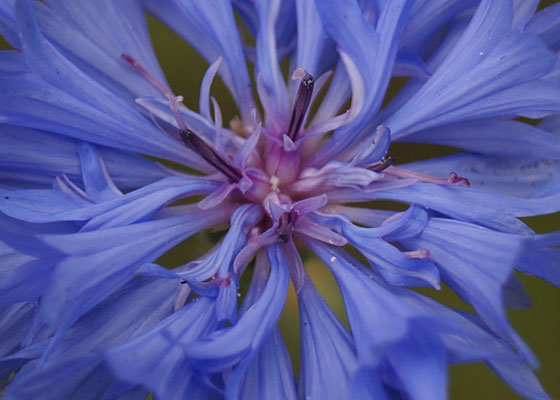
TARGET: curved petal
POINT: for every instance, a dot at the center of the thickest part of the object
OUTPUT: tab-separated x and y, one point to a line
229	346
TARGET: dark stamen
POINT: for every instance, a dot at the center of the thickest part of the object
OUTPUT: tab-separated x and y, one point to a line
195	143
301	104
383	164
285	228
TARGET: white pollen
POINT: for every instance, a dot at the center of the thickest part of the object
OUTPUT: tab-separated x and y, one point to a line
481	53
274	181
333	259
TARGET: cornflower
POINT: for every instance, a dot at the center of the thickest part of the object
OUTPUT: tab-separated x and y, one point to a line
87	312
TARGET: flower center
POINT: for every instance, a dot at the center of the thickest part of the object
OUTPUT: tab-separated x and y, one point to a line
265	169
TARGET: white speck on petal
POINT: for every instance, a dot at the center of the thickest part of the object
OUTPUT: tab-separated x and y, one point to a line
333	259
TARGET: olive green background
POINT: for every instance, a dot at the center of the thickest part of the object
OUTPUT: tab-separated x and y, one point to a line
539	325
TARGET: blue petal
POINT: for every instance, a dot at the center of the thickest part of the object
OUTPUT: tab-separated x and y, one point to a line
523	11
391	263
493	136
546	24
270	375
468	204
71	103
420	363
426	17
75	361
328	360
267	374
8	23
196	122
312	45
375	327
34	158
14	322
93	36
520	176
221	261
521	378
36	205
267	63
23	278
97	182
370	70
211	29
476	263
99	262
482	66
231	345
368	385
540	258
155	360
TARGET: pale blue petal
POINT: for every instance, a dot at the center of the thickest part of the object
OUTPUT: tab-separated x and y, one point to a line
328	360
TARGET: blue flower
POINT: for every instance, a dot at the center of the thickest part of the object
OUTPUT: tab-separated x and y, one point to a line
84	214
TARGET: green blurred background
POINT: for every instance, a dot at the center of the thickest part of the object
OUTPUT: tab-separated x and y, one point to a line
539	325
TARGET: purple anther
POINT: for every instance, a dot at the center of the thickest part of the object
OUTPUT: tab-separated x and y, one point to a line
199	146
383	164
301	104
458	180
